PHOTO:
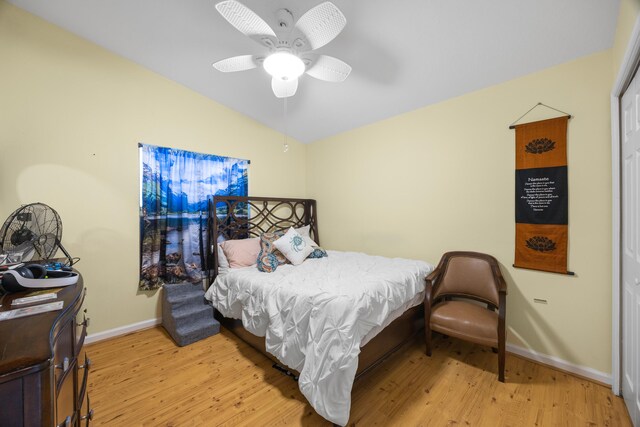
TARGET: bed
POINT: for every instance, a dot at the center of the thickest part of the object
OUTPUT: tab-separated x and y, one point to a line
327	320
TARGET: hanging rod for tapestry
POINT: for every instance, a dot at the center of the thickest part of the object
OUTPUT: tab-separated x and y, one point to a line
568	273
512	125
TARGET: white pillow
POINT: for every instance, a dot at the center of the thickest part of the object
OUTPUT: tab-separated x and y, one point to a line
293	246
304	232
223	262
310	241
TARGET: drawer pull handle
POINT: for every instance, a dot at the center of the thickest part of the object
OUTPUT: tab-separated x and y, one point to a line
89	415
65	365
85	322
66	422
87	364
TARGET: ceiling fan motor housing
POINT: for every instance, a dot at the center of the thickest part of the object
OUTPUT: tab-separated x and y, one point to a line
285	19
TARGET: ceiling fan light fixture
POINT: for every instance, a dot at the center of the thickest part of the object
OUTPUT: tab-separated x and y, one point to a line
284	65
314	29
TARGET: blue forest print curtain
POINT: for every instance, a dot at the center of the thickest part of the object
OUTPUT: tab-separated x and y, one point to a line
175	186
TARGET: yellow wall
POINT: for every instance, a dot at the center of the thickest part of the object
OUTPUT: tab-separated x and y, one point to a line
441	178
629	11
436	179
71	116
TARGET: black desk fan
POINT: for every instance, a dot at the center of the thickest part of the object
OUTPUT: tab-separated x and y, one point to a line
33	230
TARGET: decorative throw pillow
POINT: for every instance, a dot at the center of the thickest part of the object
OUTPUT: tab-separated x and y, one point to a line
310	241
318	252
265	262
293	246
241	253
303	231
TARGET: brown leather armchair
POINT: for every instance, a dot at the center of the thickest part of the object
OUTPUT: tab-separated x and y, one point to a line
458	278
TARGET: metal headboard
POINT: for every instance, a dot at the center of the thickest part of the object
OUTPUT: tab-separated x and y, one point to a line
234	217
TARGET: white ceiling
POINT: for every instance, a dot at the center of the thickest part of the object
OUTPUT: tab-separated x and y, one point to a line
405	54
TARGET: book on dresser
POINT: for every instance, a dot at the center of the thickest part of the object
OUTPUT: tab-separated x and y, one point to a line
43	371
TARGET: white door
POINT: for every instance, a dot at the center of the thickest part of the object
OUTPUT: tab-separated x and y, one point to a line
630	149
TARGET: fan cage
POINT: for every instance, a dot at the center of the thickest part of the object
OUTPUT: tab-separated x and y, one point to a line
32	230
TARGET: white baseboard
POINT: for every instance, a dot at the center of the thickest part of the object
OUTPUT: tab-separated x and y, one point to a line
122	330
560	364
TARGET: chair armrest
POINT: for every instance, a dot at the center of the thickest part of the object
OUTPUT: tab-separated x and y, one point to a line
433	276
427	298
502	284
430	285
502	311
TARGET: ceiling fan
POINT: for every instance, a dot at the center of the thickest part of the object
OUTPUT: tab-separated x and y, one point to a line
289	54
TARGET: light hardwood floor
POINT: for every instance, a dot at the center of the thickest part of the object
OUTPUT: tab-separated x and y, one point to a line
144	379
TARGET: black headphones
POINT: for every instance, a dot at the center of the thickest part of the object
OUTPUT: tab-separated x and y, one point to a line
36	276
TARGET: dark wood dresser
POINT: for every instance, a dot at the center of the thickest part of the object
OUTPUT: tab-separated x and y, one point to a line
43	375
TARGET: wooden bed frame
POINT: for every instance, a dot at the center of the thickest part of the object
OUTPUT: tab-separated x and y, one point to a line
233	217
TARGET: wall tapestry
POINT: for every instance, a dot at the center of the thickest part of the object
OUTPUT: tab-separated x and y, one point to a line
541	195
175	186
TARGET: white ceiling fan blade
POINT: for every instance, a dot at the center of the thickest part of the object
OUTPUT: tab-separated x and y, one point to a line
247	22
321	24
284	88
329	69
236	63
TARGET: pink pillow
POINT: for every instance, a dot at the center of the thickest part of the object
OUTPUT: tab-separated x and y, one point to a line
241	253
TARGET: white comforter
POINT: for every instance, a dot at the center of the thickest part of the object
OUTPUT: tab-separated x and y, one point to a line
316	316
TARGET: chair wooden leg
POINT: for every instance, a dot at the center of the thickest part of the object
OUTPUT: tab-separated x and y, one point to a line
501	360
502	333
427	339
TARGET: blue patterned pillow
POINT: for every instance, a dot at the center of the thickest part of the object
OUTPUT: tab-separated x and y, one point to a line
267	263
270	257
318	252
